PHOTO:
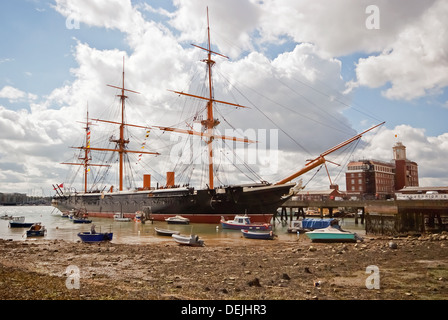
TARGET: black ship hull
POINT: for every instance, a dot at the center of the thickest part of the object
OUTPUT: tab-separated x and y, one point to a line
260	202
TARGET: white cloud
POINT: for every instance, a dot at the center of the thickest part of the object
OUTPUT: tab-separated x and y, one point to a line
299	90
111	14
12	93
16	95
416	63
337	27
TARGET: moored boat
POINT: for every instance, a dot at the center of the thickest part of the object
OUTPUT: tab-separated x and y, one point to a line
188	240
95	237
19	222
258	234
243	222
165	232
121	218
36	230
81	220
17	218
177	220
13	224
309	224
331	234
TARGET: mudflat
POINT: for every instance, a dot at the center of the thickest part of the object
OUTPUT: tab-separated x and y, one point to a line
376	268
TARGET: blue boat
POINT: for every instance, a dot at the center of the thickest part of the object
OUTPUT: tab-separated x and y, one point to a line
95	236
81	220
36	230
258	234
311	223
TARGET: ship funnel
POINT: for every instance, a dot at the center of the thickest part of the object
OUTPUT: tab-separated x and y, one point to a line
170	179
146	182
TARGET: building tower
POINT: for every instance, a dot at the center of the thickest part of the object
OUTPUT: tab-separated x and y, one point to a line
406	171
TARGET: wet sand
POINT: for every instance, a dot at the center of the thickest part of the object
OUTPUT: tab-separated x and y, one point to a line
406	268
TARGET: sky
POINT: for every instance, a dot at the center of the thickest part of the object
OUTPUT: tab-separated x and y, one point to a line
317	72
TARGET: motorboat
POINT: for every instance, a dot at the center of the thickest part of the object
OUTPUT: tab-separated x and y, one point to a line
331	234
188	240
243	222
120	217
177	220
19	222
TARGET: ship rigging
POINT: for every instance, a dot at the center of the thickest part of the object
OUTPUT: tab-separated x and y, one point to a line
209	204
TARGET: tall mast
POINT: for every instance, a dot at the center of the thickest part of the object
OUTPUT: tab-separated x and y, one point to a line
121	142
87	150
210	120
210	123
85	161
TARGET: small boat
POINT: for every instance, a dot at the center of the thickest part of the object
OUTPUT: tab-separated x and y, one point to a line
243	222
36	230
165	232
317	223
95	236
258	234
19	222
81	220
331	234
177	220
13	224
6	217
309	224
120	217
191	240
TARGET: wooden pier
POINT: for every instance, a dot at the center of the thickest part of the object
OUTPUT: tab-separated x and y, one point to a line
388	217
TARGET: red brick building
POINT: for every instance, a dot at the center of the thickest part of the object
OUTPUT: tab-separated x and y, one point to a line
374	179
370	179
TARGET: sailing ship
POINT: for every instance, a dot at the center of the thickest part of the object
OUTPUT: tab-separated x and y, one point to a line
203	205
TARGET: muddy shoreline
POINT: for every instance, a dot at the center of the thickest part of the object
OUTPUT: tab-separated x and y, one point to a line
408	268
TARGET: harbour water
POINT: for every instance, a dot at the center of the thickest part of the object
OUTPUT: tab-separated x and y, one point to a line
131	232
